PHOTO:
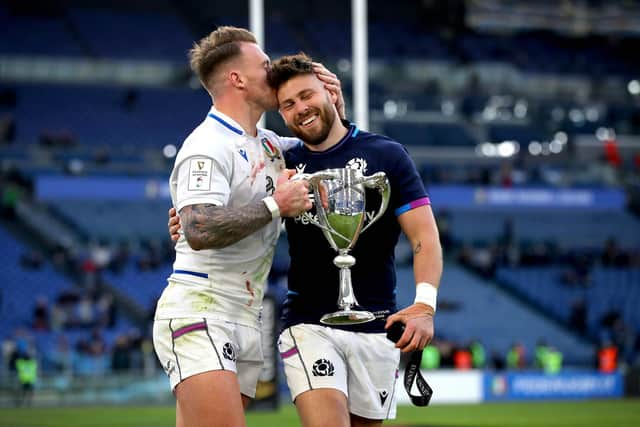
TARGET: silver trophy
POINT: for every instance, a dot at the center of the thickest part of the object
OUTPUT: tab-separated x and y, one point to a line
341	223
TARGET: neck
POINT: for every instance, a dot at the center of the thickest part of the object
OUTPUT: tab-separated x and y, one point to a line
244	113
337	132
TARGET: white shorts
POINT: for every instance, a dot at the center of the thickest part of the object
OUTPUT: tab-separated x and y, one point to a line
190	346
364	366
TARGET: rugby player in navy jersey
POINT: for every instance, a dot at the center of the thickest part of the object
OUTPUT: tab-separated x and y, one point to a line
345	375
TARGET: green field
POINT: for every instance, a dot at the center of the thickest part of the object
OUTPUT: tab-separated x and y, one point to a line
615	413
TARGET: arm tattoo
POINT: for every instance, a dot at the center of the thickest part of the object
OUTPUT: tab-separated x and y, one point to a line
418	248
208	226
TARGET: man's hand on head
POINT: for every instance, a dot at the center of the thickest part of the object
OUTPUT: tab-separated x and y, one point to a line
332	84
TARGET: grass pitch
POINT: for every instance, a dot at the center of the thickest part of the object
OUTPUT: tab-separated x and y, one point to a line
609	413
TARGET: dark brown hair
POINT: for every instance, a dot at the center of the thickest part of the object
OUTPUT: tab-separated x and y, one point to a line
287	67
216	48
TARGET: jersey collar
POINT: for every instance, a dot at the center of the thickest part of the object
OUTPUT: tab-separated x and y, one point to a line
226	121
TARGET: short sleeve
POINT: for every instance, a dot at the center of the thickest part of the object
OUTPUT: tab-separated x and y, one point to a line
202	180
407	188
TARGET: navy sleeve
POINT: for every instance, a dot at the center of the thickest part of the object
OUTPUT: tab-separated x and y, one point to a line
407	189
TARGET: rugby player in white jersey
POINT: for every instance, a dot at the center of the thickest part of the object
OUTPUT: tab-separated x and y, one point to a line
230	187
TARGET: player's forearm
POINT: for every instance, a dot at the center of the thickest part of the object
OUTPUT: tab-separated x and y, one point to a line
208	226
427	260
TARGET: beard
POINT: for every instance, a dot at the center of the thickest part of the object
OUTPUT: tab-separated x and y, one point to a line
270	101
267	100
262	95
317	135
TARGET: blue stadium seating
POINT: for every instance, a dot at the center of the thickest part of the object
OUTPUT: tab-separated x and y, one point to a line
21	287
281	39
44	36
144	287
523	134
149	122
133	35
437	134
18	296
608	289
568	228
116	221
487	314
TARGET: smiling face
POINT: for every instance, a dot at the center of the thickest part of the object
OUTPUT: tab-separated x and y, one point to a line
307	108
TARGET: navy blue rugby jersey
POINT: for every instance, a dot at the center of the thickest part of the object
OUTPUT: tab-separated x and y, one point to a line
313	278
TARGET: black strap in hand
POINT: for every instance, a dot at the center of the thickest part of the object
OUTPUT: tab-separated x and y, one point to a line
412	370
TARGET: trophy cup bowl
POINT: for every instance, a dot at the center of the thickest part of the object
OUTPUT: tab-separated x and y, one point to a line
342	223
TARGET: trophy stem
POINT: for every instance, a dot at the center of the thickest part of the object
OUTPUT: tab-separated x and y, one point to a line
346	297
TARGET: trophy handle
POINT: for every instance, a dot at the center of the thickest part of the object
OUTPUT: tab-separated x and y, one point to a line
314	180
379	181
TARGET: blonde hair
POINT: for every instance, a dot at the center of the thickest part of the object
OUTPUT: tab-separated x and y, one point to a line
211	51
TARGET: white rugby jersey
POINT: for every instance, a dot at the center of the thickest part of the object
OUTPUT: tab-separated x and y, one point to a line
220	164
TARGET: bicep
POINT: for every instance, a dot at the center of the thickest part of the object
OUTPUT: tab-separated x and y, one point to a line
419	225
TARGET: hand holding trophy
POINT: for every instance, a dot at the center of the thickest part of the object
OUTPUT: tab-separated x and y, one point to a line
342	223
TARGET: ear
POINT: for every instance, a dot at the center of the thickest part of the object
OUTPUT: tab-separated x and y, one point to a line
236	79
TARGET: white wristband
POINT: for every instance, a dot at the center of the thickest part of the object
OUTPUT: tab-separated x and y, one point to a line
272	205
427	294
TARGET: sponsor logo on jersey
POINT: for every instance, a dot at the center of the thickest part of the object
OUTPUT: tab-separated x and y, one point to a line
200	174
271	150
300	167
309	218
229	352
323	368
243	153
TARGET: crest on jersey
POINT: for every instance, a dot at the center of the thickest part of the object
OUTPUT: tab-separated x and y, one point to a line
357	163
270	149
229	352
323	368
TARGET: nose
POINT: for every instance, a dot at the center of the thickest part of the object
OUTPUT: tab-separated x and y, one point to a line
301	110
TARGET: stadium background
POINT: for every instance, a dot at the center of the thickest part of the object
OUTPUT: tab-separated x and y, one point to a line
523	119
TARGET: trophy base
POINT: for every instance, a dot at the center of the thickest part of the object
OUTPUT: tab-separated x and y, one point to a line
347	317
